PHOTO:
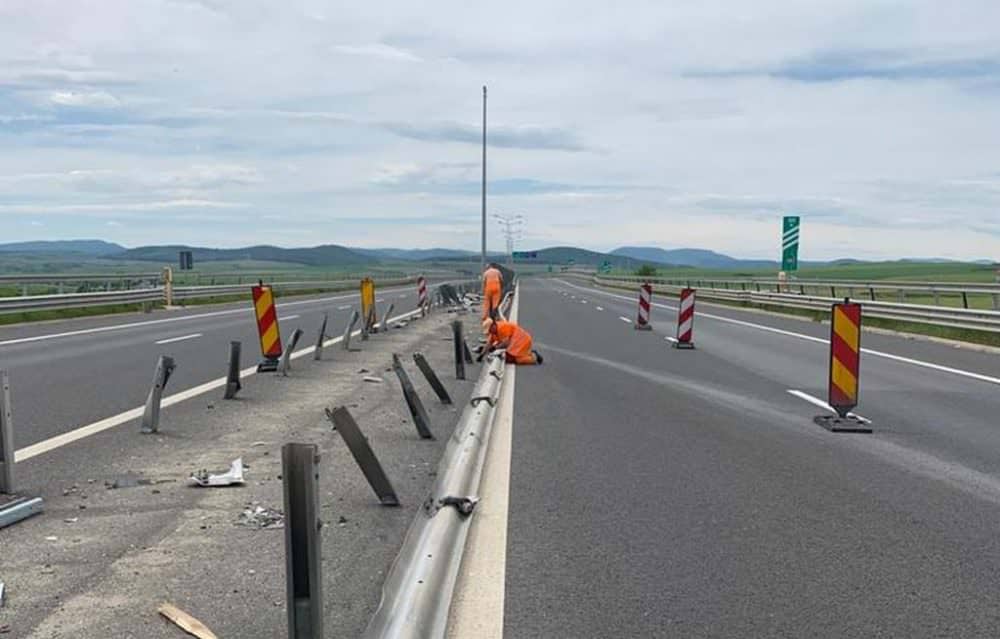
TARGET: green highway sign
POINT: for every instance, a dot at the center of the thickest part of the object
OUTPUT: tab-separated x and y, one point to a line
525	255
790	243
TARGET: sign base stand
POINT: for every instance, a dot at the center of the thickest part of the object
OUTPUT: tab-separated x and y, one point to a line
683	345
268	365
643	327
838	424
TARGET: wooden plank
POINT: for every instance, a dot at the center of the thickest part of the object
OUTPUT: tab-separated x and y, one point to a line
186	622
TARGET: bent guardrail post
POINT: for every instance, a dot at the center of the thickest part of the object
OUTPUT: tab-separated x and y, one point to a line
466	351
233	384
151	416
6	436
350	328
286	357
385	318
303	544
417	410
318	352
357	443
432	378
456	331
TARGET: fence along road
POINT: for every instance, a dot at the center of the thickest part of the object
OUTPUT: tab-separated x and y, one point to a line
688	493
75	372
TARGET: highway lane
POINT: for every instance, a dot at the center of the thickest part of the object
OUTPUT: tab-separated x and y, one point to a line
656	492
71	373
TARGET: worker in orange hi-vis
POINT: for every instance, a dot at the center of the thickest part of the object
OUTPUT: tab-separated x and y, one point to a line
514	340
492	289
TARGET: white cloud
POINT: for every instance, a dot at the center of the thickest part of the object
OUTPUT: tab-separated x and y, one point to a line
378	50
93	99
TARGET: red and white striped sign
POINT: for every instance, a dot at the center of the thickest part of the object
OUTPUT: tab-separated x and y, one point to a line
421	291
685	318
645	299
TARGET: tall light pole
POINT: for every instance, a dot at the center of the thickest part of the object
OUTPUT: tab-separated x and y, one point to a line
482	259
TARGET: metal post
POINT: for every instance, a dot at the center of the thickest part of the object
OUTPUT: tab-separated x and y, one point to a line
901	296
937	297
456	331
362	451
417	411
466	351
233	384
286	357
6	437
871	289
965	300
303	543
168	287
318	353
350	329
432	378
151	416
482	258
385	318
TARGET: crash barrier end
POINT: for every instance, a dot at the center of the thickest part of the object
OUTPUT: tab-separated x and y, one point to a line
344	423
151	415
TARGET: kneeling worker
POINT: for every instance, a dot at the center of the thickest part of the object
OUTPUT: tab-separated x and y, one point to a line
514	340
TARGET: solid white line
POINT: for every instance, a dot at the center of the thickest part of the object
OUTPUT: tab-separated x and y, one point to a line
178	339
403	295
819	402
288	317
672	340
116	327
818	340
82	432
625	319
344	307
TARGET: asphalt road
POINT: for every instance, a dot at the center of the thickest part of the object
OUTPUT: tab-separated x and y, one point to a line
71	373
665	493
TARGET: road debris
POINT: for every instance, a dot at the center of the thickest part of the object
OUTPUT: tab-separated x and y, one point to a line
185	622
373	379
234	476
256	516
2	595
131	481
51	538
71	520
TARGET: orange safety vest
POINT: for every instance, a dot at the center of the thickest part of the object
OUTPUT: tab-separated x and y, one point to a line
492	278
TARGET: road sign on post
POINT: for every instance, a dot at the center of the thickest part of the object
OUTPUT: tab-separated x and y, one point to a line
267	327
790	243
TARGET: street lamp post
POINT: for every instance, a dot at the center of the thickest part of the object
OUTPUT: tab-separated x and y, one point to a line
482	259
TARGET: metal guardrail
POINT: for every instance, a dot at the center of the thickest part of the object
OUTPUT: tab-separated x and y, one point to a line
963	318
156	294
55	278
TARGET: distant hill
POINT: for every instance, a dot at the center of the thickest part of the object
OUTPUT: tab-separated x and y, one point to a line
700	258
563	254
326	255
413	254
81	247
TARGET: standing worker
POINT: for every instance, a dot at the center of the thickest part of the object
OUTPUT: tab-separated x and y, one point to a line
514	340
492	290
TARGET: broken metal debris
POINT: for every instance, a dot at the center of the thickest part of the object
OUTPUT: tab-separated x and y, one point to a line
234	476
256	516
373	379
2	594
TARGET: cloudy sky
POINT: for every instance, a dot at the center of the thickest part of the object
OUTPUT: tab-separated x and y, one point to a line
670	123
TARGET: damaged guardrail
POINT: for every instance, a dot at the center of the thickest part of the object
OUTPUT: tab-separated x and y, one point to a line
418	590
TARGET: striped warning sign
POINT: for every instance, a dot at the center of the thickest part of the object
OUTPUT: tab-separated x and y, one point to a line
845	356
685	319
267	322
645	299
